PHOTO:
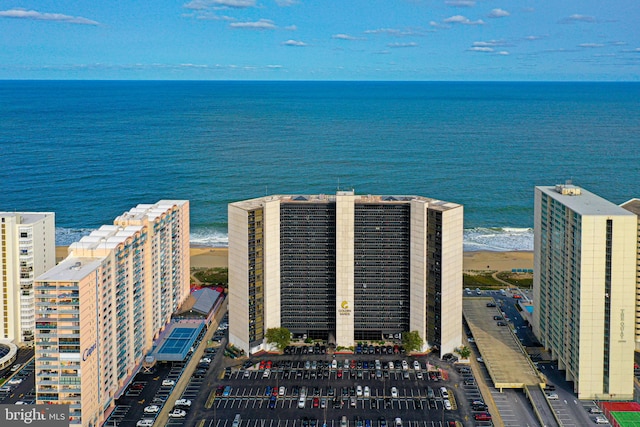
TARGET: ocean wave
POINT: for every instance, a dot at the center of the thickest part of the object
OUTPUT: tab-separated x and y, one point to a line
67	236
498	239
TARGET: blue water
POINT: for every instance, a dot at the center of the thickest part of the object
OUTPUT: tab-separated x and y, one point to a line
91	150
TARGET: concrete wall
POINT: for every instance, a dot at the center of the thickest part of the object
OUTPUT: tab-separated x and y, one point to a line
238	278
345	214
451	297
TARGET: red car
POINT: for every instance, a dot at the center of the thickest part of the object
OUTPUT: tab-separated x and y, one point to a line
339	374
262	364
516	296
269	364
316	402
483	416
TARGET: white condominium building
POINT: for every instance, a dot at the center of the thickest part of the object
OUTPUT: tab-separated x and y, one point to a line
27	249
99	310
345	268
585	289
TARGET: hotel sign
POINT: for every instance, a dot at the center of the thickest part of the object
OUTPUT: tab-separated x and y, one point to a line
344	309
88	352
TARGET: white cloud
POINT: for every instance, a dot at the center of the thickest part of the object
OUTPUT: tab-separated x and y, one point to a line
274	66
286	3
532	38
262	24
460	3
205	4
591	45
459	19
296	43
503	53
344	37
208	16
578	18
481	49
401	45
498	13
399	33
491	43
40	16
291	28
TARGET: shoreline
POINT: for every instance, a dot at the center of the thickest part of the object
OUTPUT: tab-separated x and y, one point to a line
473	261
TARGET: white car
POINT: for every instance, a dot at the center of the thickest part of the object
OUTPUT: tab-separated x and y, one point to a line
552	396
394	392
145	423
447	404
444	392
367	391
480	359
390	365
266	373
153	409
601	420
359	391
183	402
282	390
205	360
14	381
416	365
405	365
177	413
419	375
16	367
168	383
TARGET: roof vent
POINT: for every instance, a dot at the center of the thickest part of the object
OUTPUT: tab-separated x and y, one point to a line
568	190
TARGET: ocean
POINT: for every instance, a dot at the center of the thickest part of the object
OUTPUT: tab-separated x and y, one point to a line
90	150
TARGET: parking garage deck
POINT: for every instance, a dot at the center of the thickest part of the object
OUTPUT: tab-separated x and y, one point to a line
503	356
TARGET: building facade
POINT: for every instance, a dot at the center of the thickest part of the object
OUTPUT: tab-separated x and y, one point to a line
99	310
633	206
345	268
27	249
585	289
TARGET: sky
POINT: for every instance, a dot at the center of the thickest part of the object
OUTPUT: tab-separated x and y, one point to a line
441	40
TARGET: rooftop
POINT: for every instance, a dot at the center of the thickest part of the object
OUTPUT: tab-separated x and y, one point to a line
71	269
330	198
27	217
582	201
632	205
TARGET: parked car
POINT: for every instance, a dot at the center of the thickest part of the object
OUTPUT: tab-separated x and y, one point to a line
394	392
153	409
168	383
177	413
183	402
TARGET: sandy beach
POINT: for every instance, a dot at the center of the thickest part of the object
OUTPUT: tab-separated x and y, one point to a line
205	257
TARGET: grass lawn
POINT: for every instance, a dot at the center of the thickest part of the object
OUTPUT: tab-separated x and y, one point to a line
213	276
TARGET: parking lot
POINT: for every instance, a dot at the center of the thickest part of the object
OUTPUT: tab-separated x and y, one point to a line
318	389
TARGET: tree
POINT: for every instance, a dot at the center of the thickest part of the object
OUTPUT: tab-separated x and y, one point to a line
412	341
281	337
464	352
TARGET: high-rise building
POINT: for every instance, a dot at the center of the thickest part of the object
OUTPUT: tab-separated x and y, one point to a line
345	268
585	289
99	310
633	206
27	249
